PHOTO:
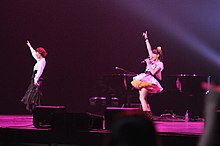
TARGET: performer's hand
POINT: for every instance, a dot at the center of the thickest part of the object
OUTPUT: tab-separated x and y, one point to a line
37	84
148	60
28	43
145	35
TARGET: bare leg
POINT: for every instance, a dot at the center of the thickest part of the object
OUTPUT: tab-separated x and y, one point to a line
143	99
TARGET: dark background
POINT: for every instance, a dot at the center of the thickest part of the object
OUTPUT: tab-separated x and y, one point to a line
86	39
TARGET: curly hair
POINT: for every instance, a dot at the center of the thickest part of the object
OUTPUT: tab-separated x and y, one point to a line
42	51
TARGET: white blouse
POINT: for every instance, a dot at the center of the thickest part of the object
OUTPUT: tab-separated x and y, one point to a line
39	65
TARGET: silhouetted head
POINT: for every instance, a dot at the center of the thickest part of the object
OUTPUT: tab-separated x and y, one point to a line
133	130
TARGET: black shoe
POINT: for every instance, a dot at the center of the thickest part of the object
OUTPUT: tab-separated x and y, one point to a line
149	114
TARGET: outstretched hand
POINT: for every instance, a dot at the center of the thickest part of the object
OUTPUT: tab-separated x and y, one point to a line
28	43
145	35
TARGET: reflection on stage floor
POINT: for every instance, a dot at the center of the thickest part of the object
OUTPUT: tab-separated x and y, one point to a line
19	129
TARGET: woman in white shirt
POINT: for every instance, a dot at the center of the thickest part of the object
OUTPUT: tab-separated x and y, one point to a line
34	92
149	81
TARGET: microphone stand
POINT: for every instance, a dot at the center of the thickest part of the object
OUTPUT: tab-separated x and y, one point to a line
127	73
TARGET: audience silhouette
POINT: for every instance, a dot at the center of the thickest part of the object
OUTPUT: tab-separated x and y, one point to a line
133	129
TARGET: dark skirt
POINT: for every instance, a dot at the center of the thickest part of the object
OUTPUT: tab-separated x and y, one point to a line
32	95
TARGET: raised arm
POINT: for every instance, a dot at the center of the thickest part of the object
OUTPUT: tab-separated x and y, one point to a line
32	50
149	49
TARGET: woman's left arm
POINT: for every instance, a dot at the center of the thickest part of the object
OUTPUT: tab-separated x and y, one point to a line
33	53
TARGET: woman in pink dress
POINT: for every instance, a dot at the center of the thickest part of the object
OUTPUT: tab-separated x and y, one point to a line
149	81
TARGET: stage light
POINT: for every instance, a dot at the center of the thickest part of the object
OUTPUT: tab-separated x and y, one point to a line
160	16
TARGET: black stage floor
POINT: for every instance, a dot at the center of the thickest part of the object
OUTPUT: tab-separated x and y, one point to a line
19	130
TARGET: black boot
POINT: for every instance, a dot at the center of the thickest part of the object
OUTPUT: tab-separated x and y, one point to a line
149	114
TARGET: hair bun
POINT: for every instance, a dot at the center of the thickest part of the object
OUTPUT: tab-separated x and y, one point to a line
159	49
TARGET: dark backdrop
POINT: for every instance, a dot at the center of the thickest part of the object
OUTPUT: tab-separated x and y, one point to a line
88	38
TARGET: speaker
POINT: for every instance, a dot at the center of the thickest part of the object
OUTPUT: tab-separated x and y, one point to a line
73	122
112	113
43	116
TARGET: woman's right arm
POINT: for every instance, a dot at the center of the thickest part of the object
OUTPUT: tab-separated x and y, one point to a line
149	49
32	50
